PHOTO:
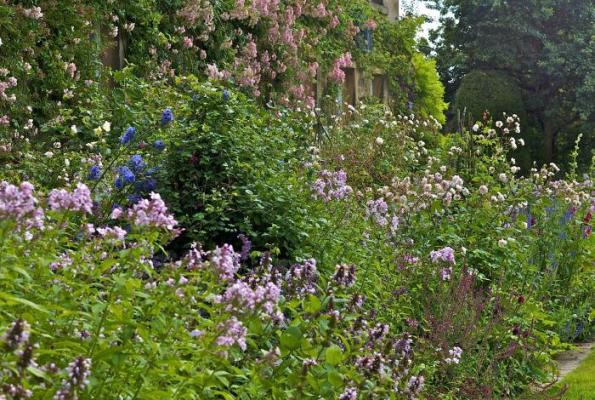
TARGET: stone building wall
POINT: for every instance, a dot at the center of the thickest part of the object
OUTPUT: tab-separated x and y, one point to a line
357	85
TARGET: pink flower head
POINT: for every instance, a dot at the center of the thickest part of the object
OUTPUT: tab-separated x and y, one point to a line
78	200
445	254
371	24
234	332
20	204
153	213
225	261
187	42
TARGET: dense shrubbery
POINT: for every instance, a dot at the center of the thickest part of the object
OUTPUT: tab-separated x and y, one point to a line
463	268
289	254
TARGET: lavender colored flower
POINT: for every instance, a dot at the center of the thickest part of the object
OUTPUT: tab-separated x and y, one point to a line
78	378
234	332
344	275
78	200
445	274
373	364
454	355
128	136
26	357
194	258
17	334
63	261
415	386
115	233
16	392
301	278
403	347
246	246
331	186
225	261
377	209
159	145
20	204
445	254
378	333
196	333
167	116
241	298
95	172
152	212
349	394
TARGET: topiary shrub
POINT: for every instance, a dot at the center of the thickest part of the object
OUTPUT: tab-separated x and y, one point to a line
492	91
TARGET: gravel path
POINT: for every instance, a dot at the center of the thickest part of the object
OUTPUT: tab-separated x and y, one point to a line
571	359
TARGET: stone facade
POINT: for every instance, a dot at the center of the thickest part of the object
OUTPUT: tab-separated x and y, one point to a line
357	85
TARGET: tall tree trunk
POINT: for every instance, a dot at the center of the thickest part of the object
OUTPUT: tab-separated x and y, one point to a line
550	131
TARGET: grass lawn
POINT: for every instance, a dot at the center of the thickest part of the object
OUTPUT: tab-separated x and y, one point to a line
580	382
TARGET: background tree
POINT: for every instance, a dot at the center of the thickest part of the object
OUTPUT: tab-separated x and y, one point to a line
545	46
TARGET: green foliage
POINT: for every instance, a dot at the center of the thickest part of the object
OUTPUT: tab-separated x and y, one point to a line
230	169
546	48
490	91
429	89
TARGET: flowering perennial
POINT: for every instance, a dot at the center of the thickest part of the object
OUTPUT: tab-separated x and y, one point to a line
20	204
331	186
225	261
234	332
446	254
152	212
78	200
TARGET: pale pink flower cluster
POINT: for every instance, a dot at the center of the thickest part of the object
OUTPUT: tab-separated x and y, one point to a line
337	74
10	83
331	186
233	332
187	42
242	298
78	200
34	12
152	212
225	261
70	69
282	51
446	254
20	204
371	24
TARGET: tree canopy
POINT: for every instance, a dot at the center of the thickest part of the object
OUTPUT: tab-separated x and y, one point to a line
546	46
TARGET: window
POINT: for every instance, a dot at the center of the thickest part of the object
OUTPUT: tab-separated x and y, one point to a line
349	86
378	86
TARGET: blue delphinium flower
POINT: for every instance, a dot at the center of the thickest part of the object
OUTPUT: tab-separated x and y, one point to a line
159	145
226	95
152	171
95	172
134	198
128	136
137	163
119	182
149	185
126	174
167	116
